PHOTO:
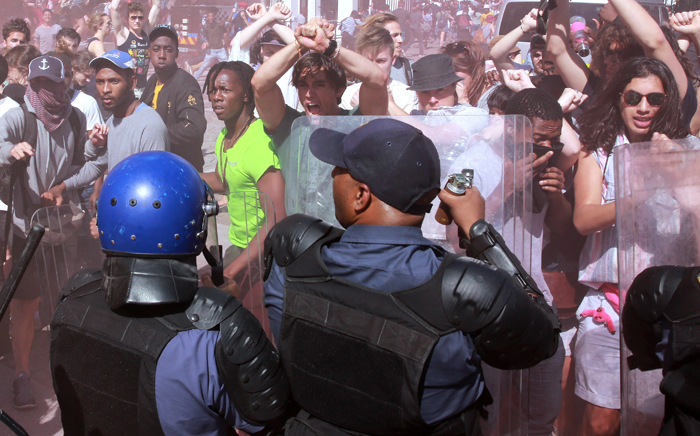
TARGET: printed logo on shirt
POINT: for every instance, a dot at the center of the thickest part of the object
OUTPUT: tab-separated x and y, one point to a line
191	100
233	164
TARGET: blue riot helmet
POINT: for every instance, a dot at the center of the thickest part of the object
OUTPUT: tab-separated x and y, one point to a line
154	204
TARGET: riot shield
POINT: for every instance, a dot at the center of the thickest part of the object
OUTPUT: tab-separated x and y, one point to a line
67	247
498	149
260	217
657	212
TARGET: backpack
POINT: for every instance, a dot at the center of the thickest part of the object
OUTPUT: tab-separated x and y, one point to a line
442	20
464	21
8	174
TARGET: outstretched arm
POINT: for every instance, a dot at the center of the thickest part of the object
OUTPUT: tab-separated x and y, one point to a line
154	13
116	17
649	34
688	24
268	97
274	18
569	65
500	50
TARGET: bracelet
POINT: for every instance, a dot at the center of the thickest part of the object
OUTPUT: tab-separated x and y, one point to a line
521	28
298	48
335	55
332	48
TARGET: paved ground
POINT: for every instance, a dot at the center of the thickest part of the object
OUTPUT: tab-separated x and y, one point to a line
44	420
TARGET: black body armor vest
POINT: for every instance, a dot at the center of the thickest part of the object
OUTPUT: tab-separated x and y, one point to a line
94	396
362	348
103	361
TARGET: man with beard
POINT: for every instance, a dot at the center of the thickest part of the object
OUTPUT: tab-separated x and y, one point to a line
50	178
176	96
125	134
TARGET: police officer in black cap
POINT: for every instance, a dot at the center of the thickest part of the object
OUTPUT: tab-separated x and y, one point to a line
380	331
137	348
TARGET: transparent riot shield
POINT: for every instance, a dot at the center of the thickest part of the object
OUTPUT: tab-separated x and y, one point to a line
498	149
66	248
256	214
657	212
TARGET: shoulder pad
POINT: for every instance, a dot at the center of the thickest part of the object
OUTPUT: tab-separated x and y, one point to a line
210	306
251	370
79	280
473	293
652	290
290	237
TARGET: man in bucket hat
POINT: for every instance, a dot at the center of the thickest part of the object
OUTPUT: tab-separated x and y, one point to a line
435	83
353	311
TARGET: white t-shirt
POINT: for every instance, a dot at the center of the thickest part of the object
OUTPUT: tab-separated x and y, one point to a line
88	106
403	97
6	104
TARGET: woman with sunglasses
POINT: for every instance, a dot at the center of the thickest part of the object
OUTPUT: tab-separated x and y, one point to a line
246	165
641	103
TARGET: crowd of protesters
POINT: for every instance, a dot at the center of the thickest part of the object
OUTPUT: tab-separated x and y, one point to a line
262	68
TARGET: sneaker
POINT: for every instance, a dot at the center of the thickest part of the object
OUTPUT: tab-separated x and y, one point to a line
22	388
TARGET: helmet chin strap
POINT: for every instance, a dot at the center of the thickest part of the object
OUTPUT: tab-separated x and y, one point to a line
217	266
211	208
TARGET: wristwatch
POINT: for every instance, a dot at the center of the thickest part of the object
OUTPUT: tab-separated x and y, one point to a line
332	47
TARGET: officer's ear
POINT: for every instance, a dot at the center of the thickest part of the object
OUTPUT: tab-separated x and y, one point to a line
363	197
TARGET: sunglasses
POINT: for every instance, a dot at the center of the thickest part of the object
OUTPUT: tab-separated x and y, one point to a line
456	47
136	17
633	98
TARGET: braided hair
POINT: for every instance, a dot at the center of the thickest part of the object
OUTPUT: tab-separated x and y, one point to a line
243	71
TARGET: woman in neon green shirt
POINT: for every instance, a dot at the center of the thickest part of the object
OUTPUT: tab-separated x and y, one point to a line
246	164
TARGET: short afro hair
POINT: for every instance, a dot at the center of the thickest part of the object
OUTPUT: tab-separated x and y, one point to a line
535	103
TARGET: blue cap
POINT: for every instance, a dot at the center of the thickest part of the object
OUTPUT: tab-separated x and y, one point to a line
397	161
47	66
119	58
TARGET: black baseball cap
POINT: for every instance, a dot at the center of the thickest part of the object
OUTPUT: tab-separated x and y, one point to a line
47	66
271	38
163	30
396	160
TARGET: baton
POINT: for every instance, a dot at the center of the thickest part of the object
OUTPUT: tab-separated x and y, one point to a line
19	267
14	426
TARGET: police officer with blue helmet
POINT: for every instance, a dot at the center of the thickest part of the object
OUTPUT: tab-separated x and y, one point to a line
136	347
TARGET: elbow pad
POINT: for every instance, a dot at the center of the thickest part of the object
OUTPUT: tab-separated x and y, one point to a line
510	329
486	244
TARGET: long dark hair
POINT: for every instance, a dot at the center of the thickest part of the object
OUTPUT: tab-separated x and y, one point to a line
602	121
243	71
469	58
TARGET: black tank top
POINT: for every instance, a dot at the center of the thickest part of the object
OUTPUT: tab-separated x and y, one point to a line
138	49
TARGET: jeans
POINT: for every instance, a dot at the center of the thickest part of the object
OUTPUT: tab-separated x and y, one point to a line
545	395
212	57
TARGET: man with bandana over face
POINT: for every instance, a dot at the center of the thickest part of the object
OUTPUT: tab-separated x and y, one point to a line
55	164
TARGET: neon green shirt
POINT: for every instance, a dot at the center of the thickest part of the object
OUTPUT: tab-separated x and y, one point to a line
249	158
